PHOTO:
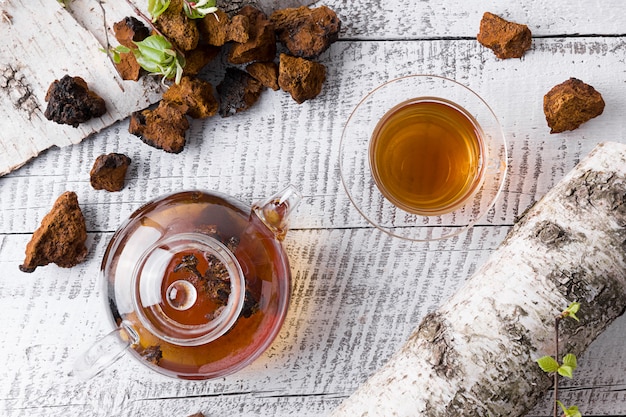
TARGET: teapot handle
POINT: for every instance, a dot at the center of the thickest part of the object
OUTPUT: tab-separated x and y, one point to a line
275	210
105	351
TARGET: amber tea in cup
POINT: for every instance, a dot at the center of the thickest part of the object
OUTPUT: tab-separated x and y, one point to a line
426	156
419	166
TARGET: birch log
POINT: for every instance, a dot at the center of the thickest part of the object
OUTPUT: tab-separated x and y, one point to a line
475	355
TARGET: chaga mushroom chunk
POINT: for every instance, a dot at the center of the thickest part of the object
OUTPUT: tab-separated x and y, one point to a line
198	58
60	238
217	28
196	94
265	72
238	91
109	171
71	102
306	32
301	78
162	128
570	104
127	31
128	67
261	45
506	39
177	27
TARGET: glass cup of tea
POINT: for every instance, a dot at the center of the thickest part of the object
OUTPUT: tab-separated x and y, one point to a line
423	157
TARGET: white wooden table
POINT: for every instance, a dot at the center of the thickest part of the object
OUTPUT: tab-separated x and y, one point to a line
357	293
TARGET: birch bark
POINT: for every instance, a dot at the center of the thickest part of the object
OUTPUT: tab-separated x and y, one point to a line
42	42
475	355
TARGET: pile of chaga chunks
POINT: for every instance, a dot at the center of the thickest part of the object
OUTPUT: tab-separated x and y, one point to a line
255	63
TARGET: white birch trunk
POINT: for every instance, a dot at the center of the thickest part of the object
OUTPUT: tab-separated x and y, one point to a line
475	355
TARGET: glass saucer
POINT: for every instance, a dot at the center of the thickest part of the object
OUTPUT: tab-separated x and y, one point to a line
356	171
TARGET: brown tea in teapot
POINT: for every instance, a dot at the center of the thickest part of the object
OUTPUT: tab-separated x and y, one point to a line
201	280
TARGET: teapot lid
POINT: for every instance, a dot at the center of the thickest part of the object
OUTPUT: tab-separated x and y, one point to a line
188	289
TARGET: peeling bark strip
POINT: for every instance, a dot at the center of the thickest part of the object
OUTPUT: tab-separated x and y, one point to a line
475	355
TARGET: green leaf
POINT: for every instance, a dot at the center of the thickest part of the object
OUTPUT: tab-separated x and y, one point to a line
571	411
566	371
570	360
153	47
157	7
180	63
151	55
574	307
155	54
114	53
572	310
548	364
568	367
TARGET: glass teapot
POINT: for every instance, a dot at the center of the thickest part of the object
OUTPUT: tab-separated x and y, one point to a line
198	284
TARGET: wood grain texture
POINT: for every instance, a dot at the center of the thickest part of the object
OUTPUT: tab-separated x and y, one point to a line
357	293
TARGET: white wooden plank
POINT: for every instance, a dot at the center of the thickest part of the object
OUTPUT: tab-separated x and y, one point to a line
410	19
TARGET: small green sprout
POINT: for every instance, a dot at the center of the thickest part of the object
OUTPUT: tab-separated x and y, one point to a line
571	411
156	55
115	52
199	9
193	9
571	311
549	364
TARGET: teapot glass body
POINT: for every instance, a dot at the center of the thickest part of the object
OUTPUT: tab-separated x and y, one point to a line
198	283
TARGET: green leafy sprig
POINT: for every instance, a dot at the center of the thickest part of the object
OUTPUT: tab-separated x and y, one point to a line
571	411
114	53
156	55
571	311
566	368
199	9
193	9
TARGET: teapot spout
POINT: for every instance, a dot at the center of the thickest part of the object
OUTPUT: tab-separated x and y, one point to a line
274	211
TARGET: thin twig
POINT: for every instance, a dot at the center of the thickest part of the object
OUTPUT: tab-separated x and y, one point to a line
556	358
104	21
108	43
